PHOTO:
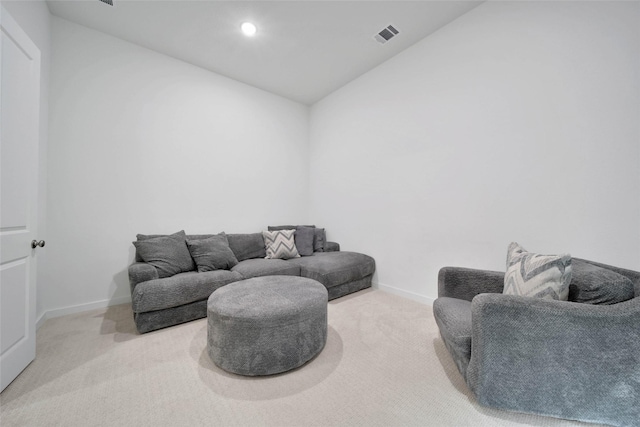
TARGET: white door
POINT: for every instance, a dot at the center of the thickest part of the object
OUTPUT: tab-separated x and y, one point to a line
19	113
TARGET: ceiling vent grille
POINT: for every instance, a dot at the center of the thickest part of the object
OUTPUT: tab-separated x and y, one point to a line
386	34
109	2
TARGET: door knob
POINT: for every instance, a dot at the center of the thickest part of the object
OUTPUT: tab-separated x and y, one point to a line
35	244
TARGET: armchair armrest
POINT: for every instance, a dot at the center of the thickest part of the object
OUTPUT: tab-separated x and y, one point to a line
466	283
141	272
581	361
331	247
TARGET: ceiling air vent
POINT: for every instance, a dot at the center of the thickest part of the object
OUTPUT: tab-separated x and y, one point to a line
386	34
109	2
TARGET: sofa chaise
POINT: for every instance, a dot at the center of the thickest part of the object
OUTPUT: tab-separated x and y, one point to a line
160	299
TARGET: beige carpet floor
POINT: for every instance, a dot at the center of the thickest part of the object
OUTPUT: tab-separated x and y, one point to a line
384	365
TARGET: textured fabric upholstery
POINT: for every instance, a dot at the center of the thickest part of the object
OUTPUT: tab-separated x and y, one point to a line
266	325
304	240
265	267
556	358
202	236
168	254
562	359
180	289
162	302
591	284
141	272
331	247
288	227
453	317
247	246
141	237
466	283
212	253
157	319
335	268
350	287
318	239
634	276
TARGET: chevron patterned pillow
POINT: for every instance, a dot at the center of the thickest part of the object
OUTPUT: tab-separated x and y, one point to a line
535	275
280	244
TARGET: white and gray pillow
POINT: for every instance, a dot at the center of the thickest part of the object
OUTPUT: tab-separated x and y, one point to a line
212	253
280	244
168	254
535	275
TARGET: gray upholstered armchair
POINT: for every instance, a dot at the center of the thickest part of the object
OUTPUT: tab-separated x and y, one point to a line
563	359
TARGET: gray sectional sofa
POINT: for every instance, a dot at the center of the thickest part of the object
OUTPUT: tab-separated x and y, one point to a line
159	302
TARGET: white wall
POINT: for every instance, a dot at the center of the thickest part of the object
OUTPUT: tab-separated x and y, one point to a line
33	17
519	121
143	143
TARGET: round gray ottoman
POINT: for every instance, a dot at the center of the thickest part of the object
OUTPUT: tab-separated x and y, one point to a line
266	325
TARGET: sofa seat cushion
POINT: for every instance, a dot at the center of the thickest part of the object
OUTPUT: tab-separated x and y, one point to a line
453	317
258	267
335	268
180	289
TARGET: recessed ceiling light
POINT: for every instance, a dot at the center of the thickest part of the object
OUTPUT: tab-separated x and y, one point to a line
248	29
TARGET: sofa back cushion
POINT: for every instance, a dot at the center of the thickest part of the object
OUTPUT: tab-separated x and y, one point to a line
287	227
319	239
591	284
168	254
304	238
141	237
247	246
212	253
201	236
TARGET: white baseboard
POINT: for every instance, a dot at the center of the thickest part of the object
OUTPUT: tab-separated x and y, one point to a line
57	312
401	292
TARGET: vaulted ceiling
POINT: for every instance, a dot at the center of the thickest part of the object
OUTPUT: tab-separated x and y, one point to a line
303	50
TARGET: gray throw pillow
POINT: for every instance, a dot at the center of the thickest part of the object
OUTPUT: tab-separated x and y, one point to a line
211	254
168	254
177	234
304	240
534	275
319	239
140	237
591	284
200	236
247	246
